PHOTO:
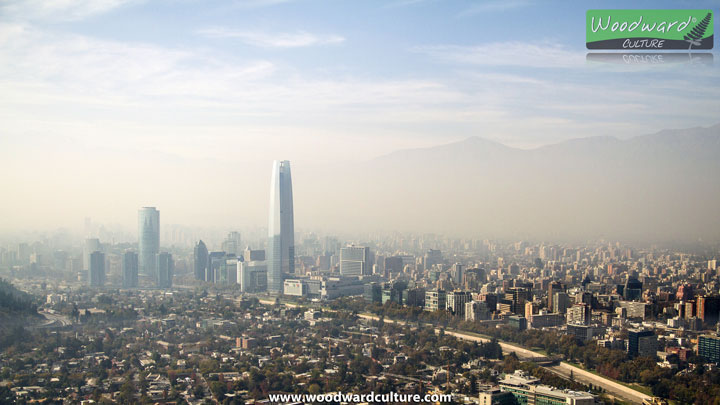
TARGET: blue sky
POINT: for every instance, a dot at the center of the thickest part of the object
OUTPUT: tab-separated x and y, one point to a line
130	82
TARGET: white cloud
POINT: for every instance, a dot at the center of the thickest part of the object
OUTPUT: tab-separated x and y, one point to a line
511	53
58	10
493	6
273	40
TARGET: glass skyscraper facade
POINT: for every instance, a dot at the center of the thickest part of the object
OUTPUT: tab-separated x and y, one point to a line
129	270
281	230
165	269
200	255
148	240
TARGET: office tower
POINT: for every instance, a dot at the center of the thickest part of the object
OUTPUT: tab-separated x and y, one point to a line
165	268
200	256
393	265
254	255
456	300
432	257
708	309
579	314
518	296
561	302
91	245
281	230
554	287
232	244
355	261
641	343
372	292
457	273
231	269
216	264
130	270
632	289
709	348
476	311
252	275
96	273
435	300
148	240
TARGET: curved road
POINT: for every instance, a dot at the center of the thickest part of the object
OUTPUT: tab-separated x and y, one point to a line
54	320
579	374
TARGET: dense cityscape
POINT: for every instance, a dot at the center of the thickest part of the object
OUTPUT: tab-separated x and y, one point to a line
489	322
376	202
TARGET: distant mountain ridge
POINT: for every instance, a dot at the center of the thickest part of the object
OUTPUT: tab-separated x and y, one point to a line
697	136
662	186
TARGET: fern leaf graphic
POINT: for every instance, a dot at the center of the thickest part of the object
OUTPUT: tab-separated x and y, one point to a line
694	37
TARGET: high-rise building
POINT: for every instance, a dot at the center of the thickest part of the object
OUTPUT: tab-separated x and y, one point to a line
130	270
393	265
232	244
355	261
632	289
252	275
435	300
709	348
165	268
708	309
641	342
281	229
91	245
519	296
216	265
456	300
200	256
96	273
554	287
231	269
148	240
254	255
432	257
373	293
457	273
578	314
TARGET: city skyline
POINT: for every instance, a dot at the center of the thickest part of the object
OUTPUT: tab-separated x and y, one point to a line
490	202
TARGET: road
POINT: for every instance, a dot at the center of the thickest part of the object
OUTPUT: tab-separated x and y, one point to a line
612	387
564	369
54	320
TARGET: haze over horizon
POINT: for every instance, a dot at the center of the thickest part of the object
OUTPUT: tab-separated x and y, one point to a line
110	105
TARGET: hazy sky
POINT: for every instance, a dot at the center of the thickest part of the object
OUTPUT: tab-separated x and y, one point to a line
109	105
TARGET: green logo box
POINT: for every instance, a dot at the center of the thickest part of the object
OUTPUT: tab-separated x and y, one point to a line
649	29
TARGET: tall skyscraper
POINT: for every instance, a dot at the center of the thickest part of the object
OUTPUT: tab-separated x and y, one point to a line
148	240
165	268
96	273
457	273
281	230
91	245
201	261
130	270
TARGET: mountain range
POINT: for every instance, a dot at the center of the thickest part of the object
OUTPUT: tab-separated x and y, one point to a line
663	186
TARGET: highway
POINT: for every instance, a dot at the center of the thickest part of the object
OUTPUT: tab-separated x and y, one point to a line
613	388
54	320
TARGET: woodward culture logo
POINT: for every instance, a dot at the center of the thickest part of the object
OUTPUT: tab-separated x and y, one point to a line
649	29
